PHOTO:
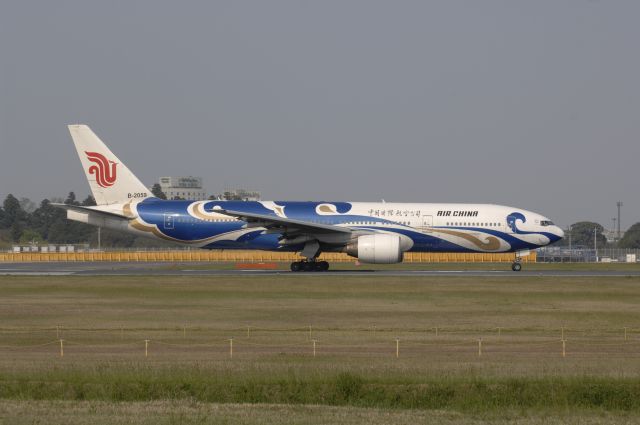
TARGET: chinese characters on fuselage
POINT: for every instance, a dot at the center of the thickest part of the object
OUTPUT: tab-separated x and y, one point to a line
394	213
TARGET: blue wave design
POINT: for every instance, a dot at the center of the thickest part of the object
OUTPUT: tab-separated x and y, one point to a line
188	228
512	221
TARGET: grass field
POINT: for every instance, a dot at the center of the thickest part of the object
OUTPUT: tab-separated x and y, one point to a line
438	375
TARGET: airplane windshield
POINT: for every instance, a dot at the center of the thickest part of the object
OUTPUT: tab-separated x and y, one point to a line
546	223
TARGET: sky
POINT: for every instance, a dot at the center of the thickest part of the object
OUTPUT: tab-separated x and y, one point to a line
534	104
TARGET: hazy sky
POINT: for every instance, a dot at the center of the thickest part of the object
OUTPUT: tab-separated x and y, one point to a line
534	104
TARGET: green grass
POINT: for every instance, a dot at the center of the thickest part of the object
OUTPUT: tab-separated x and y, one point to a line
188	320
461	393
193	412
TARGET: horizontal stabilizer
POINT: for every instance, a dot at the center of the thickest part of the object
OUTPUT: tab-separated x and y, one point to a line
89	210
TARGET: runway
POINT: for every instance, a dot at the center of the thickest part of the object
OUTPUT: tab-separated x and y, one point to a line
201	269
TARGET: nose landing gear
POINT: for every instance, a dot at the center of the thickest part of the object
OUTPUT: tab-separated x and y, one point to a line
516	266
309	266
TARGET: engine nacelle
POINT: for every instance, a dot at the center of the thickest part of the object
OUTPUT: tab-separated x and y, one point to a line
379	248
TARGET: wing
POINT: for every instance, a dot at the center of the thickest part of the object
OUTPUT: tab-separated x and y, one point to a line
285	225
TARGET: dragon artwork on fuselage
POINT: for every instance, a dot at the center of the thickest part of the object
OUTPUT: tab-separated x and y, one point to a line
198	224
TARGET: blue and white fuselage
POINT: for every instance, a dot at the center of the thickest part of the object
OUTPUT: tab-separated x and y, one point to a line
426	227
374	232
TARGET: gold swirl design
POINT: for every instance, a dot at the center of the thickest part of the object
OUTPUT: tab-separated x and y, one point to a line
143	227
126	210
491	244
153	229
197	210
279	210
326	209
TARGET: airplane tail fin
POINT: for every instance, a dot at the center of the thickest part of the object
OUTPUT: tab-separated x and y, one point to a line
110	180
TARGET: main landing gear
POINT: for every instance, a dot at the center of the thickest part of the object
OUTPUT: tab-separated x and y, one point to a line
516	266
309	266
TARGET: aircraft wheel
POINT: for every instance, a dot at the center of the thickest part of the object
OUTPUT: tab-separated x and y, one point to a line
324	266
516	267
296	266
307	266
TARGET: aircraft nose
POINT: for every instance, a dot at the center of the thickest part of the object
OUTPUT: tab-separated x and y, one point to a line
560	233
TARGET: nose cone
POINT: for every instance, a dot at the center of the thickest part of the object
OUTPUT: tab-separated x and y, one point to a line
559	232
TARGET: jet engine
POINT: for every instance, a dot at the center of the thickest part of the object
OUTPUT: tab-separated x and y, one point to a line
379	248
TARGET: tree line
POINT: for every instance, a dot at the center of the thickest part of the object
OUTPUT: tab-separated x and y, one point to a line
21	221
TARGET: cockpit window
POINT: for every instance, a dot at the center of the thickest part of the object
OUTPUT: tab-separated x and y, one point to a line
546	223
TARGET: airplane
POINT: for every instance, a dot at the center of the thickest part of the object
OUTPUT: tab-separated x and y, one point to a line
372	232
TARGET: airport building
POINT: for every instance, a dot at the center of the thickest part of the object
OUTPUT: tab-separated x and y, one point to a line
183	188
240	195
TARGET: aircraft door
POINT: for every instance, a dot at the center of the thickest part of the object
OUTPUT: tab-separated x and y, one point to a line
427	223
168	222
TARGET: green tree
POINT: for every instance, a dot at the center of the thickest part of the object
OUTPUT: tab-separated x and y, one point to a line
16	230
111	238
13	212
44	217
631	238
59	232
582	234
53	225
156	190
89	201
71	199
29	236
27	205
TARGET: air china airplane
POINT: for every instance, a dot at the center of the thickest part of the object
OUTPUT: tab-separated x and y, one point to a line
373	232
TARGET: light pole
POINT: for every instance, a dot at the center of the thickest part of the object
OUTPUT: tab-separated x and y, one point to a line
619	205
595	242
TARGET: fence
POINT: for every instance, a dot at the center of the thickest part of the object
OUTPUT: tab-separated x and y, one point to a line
541	255
185	343
189	255
562	254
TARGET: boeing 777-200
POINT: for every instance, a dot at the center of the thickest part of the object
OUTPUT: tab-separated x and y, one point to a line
373	232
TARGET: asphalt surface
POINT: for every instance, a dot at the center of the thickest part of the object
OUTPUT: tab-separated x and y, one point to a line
191	269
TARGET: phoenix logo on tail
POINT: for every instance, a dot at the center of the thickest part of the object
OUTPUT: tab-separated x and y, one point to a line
105	175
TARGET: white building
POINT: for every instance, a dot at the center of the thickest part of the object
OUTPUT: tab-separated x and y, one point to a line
189	188
241	195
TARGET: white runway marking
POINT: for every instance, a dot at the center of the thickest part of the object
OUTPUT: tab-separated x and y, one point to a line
457	271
